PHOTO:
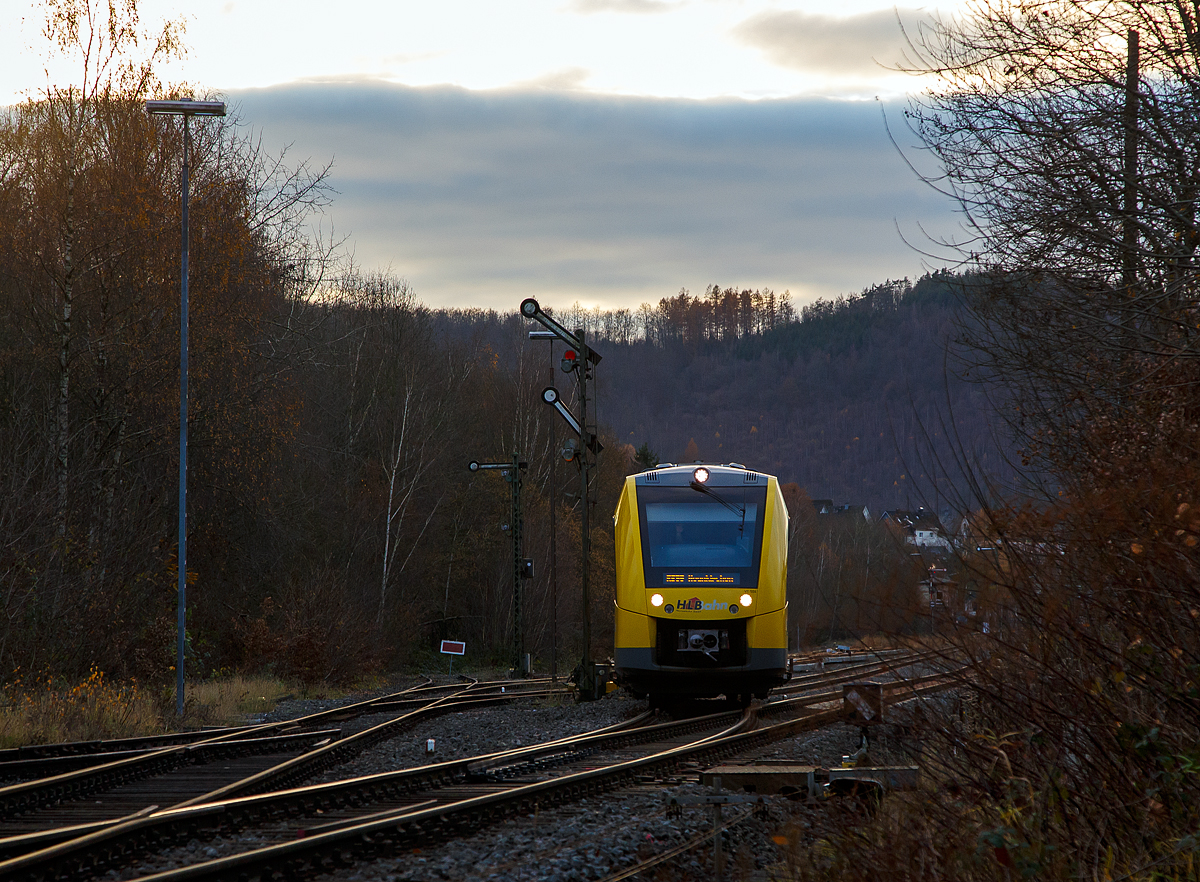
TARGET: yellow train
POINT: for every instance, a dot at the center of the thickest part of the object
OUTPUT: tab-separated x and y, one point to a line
701	602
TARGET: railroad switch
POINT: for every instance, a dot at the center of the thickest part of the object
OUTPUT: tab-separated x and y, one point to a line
785	779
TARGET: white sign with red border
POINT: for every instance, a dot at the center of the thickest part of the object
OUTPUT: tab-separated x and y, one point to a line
454	647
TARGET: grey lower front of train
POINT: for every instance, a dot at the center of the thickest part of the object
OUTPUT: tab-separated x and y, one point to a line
696	673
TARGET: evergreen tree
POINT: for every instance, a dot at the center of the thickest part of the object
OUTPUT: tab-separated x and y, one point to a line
645	458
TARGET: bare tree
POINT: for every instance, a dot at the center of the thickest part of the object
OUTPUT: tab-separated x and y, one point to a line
88	281
101	39
1072	147
398	392
1069	134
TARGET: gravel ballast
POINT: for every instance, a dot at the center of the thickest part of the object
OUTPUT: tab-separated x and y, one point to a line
587	840
599	836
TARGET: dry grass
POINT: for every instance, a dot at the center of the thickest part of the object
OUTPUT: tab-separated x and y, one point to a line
45	710
230	700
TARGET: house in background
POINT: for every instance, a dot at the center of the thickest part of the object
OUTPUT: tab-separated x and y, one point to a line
920	528
826	507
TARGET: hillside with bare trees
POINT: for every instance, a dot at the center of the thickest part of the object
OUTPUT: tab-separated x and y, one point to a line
860	399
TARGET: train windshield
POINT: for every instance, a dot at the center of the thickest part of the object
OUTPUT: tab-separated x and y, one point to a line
700	539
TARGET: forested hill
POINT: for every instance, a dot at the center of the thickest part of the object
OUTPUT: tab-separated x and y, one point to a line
837	398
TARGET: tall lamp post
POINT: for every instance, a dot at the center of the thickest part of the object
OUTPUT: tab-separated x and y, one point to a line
187	108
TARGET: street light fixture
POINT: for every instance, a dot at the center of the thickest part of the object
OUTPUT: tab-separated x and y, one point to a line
187	108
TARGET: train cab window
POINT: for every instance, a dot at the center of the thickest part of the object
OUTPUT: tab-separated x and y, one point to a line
683	534
690	538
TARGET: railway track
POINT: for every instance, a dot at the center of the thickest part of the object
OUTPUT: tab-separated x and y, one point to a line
45	760
357	819
851	671
226	765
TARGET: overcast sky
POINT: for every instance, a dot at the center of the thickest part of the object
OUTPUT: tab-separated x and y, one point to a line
605	151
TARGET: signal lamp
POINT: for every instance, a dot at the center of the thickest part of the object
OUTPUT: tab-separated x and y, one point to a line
568	361
656	600
746	600
700	475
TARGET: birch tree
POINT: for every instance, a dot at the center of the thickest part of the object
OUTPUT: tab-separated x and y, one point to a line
89	282
101	38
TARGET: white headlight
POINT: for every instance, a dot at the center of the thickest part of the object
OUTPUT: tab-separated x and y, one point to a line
656	599
746	600
700	475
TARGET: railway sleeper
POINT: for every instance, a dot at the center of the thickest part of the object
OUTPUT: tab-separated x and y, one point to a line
435	826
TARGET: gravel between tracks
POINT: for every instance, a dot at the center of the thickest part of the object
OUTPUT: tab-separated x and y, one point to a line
475	732
599	836
588	840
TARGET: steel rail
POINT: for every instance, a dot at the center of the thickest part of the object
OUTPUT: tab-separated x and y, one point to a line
316	761
55	765
289	771
54	844
174	739
494	697
65	749
37	759
72	855
407	826
162	826
850	672
26	796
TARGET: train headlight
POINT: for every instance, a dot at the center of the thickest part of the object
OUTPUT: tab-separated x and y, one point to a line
746	600
656	600
700	475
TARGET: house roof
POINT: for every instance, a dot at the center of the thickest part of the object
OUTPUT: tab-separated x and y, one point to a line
919	519
826	507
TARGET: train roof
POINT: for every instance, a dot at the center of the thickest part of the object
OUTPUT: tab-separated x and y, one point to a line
729	475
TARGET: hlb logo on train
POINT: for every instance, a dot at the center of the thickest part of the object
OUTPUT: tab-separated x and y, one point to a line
695	604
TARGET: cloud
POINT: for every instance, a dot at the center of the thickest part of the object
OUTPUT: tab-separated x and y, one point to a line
637	7
564	80
859	45
483	198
